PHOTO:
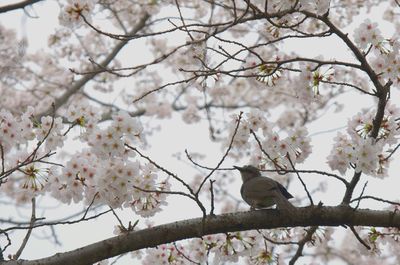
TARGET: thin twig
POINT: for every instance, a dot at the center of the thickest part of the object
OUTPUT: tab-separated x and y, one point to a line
2	159
76	86
117	217
183	21
8	243
53	223
264	152
166	192
90	205
54	235
1	254
307	238
224	156
279	171
376	199
362	192
301	180
359	238
28	233
117	258
192	195
184	255
392	152
276	242
308	171
169	173
212	196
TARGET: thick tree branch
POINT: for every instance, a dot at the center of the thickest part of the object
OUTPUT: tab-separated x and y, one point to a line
241	221
366	67
81	82
19	5
376	125
381	92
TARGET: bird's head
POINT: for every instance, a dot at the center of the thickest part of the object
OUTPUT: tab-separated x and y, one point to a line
248	172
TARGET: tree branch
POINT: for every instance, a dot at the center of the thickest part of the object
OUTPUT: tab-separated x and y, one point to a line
58	102
16	6
28	234
241	221
302	243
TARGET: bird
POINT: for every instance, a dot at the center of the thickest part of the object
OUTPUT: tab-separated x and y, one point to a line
262	192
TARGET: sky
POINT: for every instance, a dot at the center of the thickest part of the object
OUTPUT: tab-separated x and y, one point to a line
176	136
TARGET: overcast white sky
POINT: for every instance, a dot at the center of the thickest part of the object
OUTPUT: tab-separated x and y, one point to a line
175	136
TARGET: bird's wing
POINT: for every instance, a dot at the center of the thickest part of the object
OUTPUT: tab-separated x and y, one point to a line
260	185
284	191
260	189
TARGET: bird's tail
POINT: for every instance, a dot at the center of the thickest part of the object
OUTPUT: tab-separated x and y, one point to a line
282	203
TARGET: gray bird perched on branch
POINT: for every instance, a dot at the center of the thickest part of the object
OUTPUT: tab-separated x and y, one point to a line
262	192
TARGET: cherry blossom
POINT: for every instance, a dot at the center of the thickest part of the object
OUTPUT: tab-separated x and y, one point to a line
368	33
80	119
73	12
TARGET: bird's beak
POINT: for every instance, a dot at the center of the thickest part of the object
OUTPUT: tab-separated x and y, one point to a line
238	168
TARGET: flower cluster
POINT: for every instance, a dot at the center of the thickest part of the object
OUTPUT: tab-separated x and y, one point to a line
362	152
387	64
74	10
103	173
309	81
68	185
110	142
191	114
223	248
164	255
254	121
15	130
49	130
27	175
117	183
20	130
234	246
114	183
319	7
367	34
294	148
148	194
199	247
282	151
83	114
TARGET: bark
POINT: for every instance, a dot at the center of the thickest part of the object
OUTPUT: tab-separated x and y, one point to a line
58	102
23	4
261	219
